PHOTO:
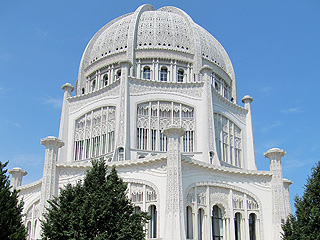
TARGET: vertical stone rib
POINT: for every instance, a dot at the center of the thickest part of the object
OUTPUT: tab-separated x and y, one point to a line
174	228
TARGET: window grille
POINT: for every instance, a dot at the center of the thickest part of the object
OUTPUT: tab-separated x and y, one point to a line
94	133
154	116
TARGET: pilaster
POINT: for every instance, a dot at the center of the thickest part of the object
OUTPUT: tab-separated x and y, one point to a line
64	121
207	129
175	224
251	159
49	184
124	113
277	188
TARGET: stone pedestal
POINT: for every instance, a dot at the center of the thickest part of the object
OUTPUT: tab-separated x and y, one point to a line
174	227
17	174
277	187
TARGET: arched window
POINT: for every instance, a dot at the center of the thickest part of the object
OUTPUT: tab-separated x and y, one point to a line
120	154
211	154
29	230
137	209
237	226
252	226
189	223
83	91
118	74
217	225
163	74
146	72
105	80
228	140
200	224
36	226
217	86
94	133
180	75
93	85
153	222
150	136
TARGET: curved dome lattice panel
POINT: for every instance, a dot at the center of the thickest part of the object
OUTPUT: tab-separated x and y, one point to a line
114	39
164	30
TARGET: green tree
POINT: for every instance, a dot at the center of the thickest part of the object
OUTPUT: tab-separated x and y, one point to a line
96	208
11	226
305	224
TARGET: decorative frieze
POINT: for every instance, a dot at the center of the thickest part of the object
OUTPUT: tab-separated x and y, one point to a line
190	90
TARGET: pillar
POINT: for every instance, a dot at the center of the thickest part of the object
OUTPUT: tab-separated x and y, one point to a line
49	185
175	224
277	188
64	120
17	174
251	159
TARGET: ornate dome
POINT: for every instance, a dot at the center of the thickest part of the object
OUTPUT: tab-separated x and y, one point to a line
167	32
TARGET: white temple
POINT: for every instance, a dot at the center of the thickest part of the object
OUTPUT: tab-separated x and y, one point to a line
156	97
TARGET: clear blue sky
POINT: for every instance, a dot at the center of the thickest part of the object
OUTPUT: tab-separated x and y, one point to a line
274	47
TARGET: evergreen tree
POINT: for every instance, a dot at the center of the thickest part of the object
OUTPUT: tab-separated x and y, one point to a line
96	209
11	226
305	224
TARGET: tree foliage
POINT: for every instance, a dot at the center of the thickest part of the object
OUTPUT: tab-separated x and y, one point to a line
305	224
97	209
11	226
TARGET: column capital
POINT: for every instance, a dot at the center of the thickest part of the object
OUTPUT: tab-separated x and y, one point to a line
52	142
172	131
247	99
17	174
67	87
17	171
125	63
206	69
274	153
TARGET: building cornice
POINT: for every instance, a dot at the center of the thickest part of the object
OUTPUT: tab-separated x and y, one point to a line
238	171
95	93
35	184
228	102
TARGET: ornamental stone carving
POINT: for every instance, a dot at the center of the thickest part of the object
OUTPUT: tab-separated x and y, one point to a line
144	86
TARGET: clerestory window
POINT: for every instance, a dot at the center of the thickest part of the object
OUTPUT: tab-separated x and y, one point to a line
163	74
105	80
120	154
221	86
118	75
180	75
146	73
93	85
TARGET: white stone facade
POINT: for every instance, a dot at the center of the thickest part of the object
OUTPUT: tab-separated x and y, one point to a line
156	97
